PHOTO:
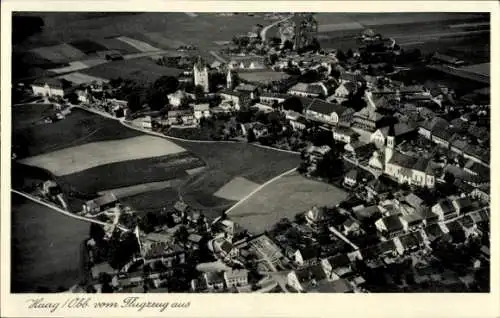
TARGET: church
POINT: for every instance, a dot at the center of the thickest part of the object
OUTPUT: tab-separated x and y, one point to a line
404	168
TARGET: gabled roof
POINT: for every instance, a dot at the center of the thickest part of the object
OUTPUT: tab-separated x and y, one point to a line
446	206
352	77
309	253
392	223
367	212
434	231
326	108
436	122
399	129
52	82
336	286
339	260
413	200
463	204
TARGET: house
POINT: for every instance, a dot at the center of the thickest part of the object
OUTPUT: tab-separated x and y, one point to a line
50	87
462	205
296	120
340	265
249	89
335	286
303	279
345	90
413	221
351	226
481	193
367	212
402	132
101	204
236	277
246	63
329	113
177	98
353	77
369	120
272	98
201	111
306	256
351	178
312	90
410	204
214	280
226	249
234	99
377	188
315	215
444	209
391	225
180	117
147	122
426	127
435	231
51	188
345	135
412	242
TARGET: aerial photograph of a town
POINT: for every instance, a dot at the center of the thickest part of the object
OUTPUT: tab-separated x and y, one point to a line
250	152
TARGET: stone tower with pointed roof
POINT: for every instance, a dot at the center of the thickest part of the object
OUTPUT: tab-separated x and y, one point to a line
200	71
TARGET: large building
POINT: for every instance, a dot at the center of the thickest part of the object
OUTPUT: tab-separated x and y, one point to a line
50	87
200	71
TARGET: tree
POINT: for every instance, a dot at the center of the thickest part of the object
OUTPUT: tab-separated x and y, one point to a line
350	54
96	232
199	92
288	45
293	103
134	101
273	58
251	135
449	178
158	91
341	55
181	235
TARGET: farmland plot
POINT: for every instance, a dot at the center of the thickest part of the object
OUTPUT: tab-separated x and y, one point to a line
139	45
59	53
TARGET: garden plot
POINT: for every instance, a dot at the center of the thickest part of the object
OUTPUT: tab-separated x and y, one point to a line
75	159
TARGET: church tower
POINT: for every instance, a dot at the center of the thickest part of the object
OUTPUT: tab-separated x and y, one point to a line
200	71
229	79
389	148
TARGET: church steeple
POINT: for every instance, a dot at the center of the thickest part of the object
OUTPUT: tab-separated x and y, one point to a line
389	148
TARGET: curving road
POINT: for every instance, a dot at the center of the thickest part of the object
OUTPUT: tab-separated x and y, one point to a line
266	28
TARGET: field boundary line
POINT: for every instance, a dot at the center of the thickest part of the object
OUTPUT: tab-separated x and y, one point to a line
59	210
258	189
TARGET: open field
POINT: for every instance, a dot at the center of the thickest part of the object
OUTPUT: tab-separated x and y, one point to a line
75	159
236	189
226	161
152	201
124	192
45	247
74	26
141	46
27	115
113	44
129	173
142	70
284	198
78	128
60	53
88	46
80	78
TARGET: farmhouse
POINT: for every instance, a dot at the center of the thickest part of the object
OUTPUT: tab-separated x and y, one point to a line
236	278
50	87
329	113
180	117
444	209
345	89
272	98
370	120
175	99
100	204
308	90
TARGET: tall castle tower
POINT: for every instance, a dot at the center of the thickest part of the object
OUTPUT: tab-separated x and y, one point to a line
389	148
200	71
